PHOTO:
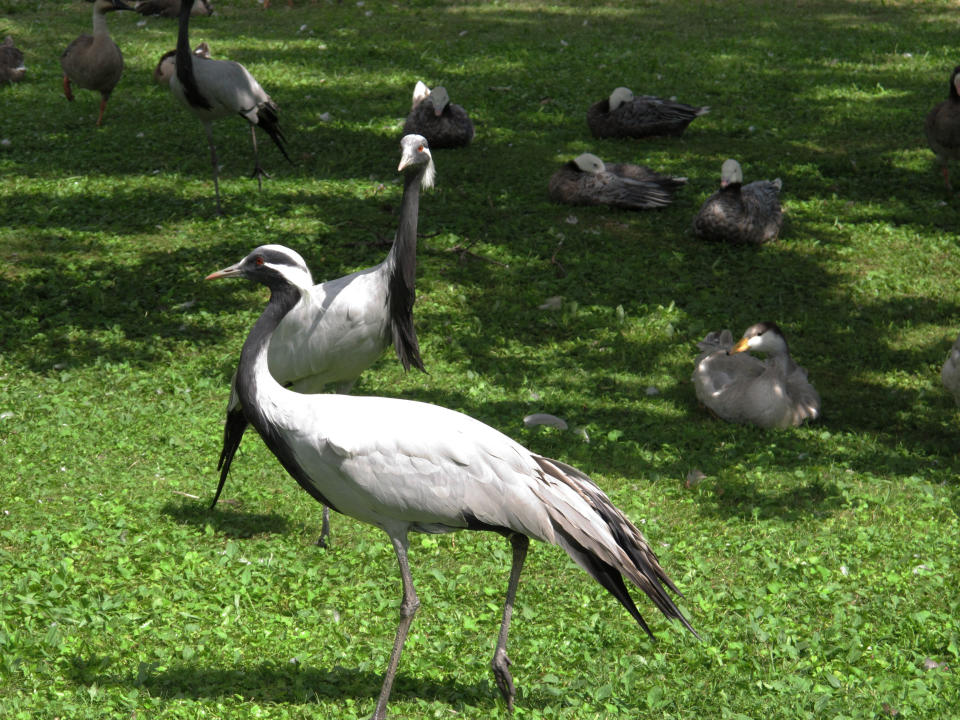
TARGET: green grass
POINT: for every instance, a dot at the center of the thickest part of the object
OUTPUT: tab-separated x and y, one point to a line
819	564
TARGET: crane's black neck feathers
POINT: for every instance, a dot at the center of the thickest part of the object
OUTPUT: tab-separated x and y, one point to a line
185	61
402	274
283	297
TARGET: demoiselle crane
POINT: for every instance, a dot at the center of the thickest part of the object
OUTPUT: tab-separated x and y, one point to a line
94	62
212	89
171	8
404	466
341	327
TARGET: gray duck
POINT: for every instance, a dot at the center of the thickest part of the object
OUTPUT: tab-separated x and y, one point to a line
950	374
741	388
942	128
625	115
444	124
12	68
587	180
94	62
738	213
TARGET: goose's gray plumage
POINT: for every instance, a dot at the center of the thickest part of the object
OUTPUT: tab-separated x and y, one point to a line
94	62
213	89
587	180
341	327
407	466
625	115
171	8
950	373
12	68
738	213
444	124
741	388
942	128
167	66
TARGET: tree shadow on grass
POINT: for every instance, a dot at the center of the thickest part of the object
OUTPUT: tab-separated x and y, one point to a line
231	523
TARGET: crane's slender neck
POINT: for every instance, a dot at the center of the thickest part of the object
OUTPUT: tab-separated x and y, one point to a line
184	57
403	253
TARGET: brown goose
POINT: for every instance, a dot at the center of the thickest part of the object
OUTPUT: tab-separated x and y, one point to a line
167	66
587	180
94	62
12	68
738	213
943	127
625	115
171	8
443	123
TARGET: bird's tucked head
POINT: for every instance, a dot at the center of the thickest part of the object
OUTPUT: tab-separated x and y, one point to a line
589	163
730	173
415	156
766	337
439	98
620	96
270	265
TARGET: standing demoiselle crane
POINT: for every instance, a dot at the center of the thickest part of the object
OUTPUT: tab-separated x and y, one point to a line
94	62
404	466
342	326
212	89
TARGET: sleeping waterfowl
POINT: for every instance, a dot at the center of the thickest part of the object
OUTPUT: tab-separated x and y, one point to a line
171	8
587	180
624	115
738	213
741	388
950	374
942	128
167	66
94	62
444	124
12	68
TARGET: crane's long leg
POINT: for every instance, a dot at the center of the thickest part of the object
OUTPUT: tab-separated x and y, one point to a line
408	608
500	662
216	167
324	528
258	172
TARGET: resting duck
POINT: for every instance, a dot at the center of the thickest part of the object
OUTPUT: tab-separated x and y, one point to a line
94	62
950	374
943	127
167	66
587	180
443	123
624	115
739	213
171	8
740	388
12	68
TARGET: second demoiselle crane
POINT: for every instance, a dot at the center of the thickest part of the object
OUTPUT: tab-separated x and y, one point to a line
406	466
341	327
212	89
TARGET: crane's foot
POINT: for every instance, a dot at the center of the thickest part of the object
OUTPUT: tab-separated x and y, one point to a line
67	92
258	173
501	674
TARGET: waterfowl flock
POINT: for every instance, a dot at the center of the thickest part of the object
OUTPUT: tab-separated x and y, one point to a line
406	466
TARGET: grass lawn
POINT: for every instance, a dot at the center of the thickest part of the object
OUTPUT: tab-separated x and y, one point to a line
819	564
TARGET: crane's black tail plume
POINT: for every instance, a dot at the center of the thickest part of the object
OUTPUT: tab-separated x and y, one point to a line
268	119
233	429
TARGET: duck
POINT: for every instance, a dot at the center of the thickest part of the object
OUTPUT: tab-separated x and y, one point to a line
587	180
12	68
942	128
94	62
740	214
625	115
171	8
167	67
950	374
444	124
740	388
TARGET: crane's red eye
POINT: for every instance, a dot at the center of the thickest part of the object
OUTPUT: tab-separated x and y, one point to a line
258	260
420	149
